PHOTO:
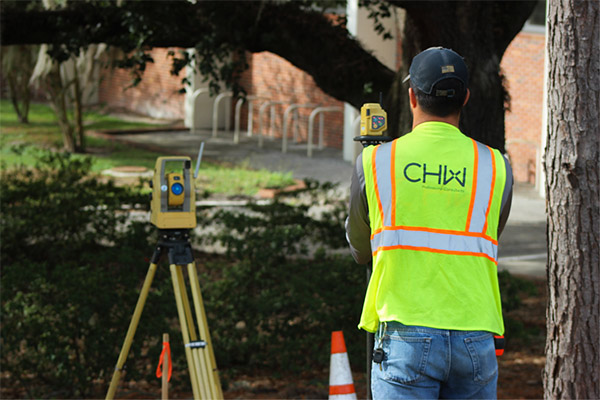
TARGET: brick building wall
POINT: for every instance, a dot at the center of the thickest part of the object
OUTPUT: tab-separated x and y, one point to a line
156	95
274	78
523	66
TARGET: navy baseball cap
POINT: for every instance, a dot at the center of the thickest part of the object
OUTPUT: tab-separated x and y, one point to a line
434	65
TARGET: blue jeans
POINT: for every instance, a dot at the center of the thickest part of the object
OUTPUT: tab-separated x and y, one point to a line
427	363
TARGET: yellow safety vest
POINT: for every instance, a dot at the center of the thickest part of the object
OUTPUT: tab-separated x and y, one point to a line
434	198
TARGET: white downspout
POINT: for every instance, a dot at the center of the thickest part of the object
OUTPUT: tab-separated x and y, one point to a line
349	146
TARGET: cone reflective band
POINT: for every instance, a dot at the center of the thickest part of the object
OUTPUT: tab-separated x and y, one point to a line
341	385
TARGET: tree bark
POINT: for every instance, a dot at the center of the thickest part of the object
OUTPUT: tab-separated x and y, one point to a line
78	110
17	66
573	193
19	96
56	96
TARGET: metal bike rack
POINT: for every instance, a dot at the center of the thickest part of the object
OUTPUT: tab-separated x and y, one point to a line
311	119
236	125
194	97
238	109
292	108
251	114
215	116
263	107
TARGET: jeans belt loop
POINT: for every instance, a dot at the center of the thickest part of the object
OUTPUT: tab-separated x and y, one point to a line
382	330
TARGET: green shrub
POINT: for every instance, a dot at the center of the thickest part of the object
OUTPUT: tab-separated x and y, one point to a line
71	264
512	289
282	290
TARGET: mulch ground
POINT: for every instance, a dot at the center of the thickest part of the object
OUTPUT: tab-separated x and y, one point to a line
520	368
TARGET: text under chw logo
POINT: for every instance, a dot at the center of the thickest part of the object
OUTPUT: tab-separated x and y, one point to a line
440	174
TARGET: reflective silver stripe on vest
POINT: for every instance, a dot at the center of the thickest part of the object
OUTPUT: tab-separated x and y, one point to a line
483	189
384	180
434	241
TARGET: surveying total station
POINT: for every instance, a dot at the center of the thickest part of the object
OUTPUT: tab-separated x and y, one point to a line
373	125
173	196
173	212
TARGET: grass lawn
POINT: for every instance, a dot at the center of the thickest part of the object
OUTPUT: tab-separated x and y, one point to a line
19	144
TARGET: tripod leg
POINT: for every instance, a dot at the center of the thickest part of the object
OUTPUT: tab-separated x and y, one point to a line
208	353
184	321
201	374
139	307
370	342
203	367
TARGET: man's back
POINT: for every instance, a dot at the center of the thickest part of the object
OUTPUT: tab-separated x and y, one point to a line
428	208
434	201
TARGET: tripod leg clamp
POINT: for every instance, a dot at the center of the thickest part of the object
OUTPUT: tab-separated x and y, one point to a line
198	344
181	254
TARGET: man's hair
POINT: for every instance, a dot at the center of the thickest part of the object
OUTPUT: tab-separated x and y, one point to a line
451	94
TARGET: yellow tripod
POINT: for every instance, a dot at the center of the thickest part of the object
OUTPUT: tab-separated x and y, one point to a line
199	353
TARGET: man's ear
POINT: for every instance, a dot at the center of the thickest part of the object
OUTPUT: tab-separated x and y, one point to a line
467	97
412	97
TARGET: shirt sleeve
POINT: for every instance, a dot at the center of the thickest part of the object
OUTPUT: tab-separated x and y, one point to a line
358	229
506	196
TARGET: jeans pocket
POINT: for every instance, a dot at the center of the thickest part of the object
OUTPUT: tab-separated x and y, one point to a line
406	358
483	355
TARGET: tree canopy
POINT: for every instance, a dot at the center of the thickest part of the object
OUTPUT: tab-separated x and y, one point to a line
300	32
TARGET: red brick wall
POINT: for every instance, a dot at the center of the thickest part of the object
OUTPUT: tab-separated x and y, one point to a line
523	65
274	78
156	95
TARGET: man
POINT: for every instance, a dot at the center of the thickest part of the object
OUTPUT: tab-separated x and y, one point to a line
427	209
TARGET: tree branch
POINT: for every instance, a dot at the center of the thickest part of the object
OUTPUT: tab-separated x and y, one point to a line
307	39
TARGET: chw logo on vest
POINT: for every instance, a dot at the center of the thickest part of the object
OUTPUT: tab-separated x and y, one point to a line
440	177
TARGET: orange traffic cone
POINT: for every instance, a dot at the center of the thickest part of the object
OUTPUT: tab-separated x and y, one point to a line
341	385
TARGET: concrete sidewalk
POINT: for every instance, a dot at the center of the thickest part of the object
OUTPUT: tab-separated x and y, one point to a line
326	165
522	246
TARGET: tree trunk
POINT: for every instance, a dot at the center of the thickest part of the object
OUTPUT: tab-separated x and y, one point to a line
572	187
19	96
78	109
56	97
17	66
478	31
